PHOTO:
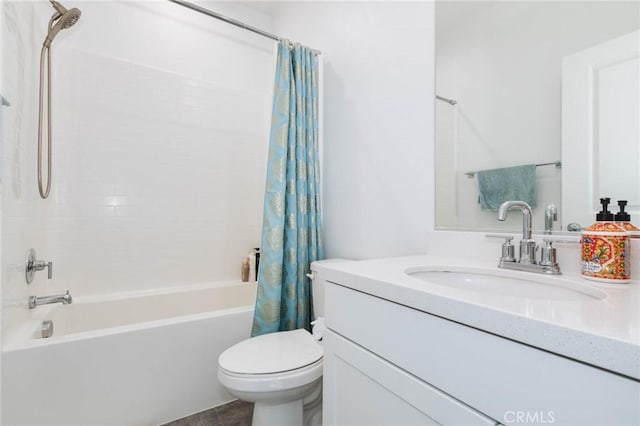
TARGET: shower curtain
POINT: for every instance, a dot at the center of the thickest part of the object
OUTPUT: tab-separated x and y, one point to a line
291	221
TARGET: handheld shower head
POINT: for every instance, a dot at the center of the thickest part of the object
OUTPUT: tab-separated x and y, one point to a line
60	20
65	19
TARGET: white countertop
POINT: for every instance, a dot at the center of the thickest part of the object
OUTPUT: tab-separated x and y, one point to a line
600	332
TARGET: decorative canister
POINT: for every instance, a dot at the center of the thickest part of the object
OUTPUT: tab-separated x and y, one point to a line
634	231
606	253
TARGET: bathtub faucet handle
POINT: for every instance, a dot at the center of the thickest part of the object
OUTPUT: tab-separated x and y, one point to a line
34	265
40	265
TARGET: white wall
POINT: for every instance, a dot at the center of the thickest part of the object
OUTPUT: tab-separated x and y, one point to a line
1	192
502	62
161	119
378	121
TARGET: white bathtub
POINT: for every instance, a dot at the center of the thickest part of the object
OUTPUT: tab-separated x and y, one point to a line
134	359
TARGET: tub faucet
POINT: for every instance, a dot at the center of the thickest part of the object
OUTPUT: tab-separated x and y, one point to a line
65	299
527	244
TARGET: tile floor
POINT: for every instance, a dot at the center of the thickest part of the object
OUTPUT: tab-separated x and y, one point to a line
236	413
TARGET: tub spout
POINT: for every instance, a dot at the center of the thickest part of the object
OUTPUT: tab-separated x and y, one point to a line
65	299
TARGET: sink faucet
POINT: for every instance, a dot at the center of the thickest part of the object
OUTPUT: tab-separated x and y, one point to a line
528	247
35	301
527	244
550	216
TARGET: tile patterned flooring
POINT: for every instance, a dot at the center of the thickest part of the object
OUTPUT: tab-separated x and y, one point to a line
236	413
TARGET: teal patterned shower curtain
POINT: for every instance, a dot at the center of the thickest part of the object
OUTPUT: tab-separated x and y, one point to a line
291	221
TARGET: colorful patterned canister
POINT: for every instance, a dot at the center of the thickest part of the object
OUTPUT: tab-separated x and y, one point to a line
606	253
634	231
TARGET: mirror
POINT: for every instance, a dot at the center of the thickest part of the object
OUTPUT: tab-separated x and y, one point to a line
499	78
601	128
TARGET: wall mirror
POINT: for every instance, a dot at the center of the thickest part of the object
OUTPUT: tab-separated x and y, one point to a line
501	69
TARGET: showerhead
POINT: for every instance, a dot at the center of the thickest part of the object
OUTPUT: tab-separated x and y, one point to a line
65	19
70	18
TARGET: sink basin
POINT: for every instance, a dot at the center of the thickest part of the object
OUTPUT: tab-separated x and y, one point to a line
487	282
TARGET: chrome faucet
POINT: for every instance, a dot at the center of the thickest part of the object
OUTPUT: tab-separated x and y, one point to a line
65	299
527	244
550	216
528	247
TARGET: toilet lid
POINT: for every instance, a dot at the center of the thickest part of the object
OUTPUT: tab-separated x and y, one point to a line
272	353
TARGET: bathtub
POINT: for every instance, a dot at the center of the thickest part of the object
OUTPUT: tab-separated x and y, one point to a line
130	359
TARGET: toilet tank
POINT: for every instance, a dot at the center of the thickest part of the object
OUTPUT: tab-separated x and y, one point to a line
318	284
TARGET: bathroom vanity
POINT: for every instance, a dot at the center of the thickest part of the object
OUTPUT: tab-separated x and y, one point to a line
426	340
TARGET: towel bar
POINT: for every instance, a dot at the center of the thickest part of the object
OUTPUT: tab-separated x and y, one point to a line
558	165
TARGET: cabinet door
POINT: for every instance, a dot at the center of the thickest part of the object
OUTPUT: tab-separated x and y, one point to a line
363	389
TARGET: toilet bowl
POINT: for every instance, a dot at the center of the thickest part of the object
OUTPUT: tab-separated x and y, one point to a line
280	372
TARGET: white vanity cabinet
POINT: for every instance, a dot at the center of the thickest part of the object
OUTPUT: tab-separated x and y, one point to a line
388	364
367	390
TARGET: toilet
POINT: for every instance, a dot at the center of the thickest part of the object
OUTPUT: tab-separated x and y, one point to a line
281	373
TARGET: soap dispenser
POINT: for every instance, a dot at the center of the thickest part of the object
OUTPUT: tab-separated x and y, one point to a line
623	219
605	249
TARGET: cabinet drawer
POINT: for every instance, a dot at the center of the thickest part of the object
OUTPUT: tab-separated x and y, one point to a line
504	379
358	379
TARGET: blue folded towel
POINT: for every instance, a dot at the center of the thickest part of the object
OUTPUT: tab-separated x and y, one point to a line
496	186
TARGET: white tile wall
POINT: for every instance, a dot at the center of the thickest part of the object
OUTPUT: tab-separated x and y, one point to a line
159	149
159	179
21	225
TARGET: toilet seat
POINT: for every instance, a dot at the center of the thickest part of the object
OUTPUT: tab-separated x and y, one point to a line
272	353
276	361
271	382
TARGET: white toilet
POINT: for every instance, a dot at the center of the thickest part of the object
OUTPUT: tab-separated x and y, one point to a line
280	372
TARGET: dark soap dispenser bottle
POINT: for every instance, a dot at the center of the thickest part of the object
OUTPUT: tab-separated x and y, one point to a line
623	219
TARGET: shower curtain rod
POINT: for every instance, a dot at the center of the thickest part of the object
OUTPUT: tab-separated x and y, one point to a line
447	100
232	21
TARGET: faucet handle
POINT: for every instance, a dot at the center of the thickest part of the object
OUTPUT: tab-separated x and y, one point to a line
32	266
548	255
40	265
508	250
